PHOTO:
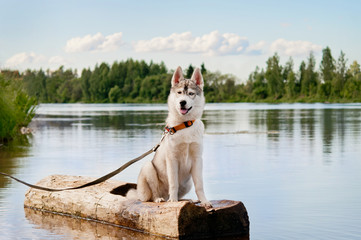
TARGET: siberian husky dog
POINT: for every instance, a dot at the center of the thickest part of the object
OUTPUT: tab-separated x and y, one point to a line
178	160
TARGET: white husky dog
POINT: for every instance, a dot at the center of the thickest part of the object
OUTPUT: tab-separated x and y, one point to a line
179	157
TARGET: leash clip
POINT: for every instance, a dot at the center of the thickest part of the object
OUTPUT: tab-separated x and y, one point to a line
161	140
170	130
163	136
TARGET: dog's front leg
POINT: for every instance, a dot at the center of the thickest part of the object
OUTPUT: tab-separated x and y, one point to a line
172	172
197	176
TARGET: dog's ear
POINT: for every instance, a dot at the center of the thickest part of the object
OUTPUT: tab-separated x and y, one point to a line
197	77
177	76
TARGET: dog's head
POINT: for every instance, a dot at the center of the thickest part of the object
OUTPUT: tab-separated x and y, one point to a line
186	97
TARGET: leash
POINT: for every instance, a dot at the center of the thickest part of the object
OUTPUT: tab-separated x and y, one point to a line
166	131
97	181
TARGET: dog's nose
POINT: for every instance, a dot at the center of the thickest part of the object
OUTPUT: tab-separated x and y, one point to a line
183	103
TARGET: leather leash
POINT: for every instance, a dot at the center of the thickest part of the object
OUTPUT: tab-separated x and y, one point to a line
109	175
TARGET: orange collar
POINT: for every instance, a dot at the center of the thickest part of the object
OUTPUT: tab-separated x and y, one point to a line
181	126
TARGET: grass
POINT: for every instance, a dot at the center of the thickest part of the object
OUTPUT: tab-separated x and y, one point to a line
16	109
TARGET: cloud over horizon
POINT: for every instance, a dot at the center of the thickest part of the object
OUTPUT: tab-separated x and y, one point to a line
30	59
96	42
24	58
217	44
212	44
294	48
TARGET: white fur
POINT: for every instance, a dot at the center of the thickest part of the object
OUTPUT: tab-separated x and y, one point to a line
178	160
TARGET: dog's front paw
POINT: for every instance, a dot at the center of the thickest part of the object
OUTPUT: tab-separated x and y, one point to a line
207	205
158	200
172	200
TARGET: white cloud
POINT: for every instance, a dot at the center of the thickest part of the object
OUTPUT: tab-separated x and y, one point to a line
213	43
57	60
96	42
257	48
294	48
24	58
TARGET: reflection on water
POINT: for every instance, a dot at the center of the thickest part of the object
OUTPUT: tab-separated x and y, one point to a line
310	124
9	152
75	228
295	166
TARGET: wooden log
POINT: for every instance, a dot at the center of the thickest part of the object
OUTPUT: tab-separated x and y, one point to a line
103	203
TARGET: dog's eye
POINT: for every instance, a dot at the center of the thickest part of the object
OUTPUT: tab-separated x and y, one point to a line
191	93
179	92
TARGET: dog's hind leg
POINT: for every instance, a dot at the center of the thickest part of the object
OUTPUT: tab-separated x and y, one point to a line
184	188
148	184
143	190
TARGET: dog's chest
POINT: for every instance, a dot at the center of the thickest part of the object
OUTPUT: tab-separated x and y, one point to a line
184	156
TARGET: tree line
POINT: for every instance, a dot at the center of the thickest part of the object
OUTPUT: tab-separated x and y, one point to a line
133	81
129	81
334	81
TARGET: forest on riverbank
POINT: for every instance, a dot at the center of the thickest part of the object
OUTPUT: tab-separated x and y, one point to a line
134	81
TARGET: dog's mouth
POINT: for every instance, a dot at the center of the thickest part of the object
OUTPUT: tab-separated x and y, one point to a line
184	110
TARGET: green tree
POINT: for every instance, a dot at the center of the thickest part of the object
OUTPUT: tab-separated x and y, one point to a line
114	94
301	77
327	73
256	85
203	69
274	77
352	88
76	90
287	68
339	79
211	86
35	84
155	88
144	69
65	90
155	69
99	83
290	79
54	81
354	69
16	108
85	84
189	71
310	80
327	66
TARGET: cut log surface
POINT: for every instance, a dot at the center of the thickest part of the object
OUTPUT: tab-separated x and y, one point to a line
103	203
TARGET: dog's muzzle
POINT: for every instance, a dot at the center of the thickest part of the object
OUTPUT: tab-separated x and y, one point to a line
184	110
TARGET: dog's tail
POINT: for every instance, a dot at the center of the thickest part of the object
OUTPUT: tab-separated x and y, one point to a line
128	190
132	194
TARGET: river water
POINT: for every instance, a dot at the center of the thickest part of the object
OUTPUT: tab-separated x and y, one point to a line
296	167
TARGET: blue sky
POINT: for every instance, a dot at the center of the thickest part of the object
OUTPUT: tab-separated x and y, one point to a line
228	36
